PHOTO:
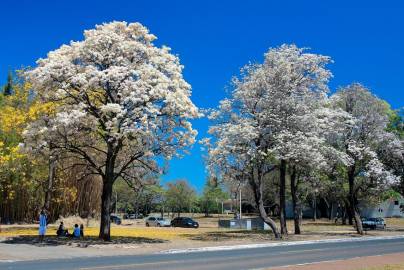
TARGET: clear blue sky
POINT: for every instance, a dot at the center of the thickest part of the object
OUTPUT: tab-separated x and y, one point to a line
215	38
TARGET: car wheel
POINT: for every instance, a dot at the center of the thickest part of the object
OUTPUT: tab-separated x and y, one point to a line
147	225
158	225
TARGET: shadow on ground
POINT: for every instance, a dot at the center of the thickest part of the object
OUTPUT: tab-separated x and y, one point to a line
83	242
260	235
232	235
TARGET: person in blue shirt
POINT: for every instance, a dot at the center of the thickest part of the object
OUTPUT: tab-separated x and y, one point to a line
76	231
42	225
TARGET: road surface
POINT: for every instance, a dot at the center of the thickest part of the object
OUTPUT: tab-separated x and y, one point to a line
252	258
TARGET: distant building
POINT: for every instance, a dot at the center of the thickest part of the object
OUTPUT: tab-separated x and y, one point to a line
388	208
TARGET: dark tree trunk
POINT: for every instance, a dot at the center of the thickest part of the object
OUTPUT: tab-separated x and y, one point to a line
256	185
315	207
51	180
105	227
353	204
282	197
295	202
349	214
344	213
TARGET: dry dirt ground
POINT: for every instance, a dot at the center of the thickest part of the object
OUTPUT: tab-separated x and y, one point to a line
383	262
132	237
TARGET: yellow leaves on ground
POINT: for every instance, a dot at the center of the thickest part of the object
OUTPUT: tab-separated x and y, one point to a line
116	231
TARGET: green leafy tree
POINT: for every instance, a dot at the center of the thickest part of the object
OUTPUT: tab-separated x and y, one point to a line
180	196
8	88
212	197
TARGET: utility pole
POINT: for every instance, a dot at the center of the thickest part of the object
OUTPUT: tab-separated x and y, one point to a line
240	200
315	204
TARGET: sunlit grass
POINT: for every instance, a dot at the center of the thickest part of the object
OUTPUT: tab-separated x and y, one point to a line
208	227
116	231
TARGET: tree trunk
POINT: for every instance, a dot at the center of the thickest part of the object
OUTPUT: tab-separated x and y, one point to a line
315	207
51	178
105	227
282	197
256	185
344	214
353	205
295	202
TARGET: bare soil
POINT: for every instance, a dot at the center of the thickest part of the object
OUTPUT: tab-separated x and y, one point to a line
381	262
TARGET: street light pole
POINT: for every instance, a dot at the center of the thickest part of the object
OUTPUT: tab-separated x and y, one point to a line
240	200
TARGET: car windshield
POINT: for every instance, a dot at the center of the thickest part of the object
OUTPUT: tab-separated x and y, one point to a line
160	218
188	220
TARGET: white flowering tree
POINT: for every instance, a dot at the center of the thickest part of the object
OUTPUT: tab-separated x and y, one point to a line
364	171
271	115
122	103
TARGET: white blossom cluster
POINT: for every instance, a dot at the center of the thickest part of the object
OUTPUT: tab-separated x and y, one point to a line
280	110
115	89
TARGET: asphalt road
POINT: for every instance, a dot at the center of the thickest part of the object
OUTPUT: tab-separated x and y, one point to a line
254	258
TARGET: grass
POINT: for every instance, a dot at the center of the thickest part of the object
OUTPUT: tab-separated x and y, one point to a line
207	232
116	231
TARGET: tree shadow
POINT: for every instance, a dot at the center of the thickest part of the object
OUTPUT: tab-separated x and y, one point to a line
318	224
232	235
328	234
79	242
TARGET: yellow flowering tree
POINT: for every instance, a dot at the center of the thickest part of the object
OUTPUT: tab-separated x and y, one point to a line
20	176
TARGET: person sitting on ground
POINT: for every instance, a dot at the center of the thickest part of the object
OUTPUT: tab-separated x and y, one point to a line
81	230
76	231
61	231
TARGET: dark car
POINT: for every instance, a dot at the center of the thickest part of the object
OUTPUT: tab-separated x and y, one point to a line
373	223
185	222
115	219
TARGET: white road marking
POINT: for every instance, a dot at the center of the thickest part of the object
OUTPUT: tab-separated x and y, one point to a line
7	261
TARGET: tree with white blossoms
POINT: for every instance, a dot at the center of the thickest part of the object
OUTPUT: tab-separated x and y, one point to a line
269	118
123	103
364	171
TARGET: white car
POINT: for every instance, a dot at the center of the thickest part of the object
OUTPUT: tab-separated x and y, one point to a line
157	222
373	223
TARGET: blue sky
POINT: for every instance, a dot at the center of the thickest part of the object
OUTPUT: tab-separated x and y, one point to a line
215	38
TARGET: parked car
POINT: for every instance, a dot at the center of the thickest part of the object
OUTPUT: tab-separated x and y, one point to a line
133	216
185	222
373	223
115	219
136	216
157	222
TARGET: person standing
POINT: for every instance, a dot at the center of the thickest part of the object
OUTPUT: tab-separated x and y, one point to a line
42	225
76	231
